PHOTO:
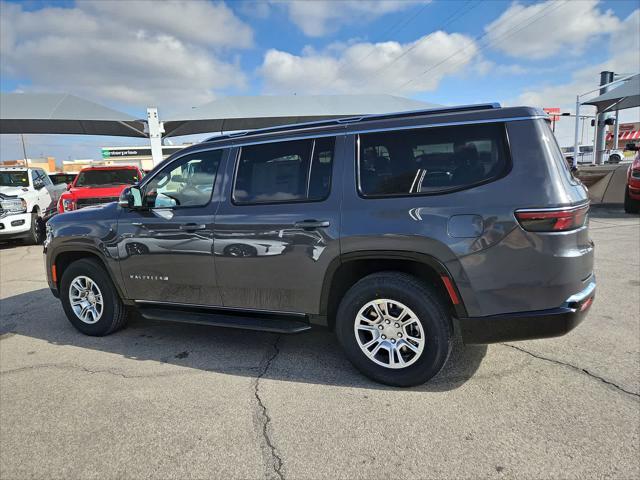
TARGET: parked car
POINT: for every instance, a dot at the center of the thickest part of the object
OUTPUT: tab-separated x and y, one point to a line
614	155
27	199
62	178
585	154
98	185
396	228
632	189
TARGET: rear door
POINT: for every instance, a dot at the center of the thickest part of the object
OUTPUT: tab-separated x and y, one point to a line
166	251
277	227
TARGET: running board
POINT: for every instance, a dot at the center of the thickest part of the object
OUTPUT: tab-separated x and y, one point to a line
243	321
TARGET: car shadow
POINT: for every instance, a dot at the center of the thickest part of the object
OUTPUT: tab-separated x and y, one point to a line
604	211
313	357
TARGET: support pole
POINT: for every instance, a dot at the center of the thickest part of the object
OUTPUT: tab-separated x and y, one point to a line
155	131
576	134
599	146
616	131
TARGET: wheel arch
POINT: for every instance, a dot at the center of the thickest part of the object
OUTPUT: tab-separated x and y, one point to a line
346	270
64	258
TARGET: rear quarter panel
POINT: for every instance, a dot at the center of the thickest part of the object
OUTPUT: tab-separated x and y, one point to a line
502	269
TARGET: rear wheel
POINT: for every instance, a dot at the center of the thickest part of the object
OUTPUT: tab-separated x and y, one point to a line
90	299
615	158
394	328
630	205
36	232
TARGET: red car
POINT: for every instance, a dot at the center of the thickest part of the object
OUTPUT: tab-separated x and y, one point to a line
632	191
98	185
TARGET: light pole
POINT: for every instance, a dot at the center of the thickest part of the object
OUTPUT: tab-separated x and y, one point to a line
24	151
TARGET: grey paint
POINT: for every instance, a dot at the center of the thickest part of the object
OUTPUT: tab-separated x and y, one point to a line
496	266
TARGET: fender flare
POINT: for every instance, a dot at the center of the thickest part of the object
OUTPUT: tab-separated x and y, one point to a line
424	258
88	250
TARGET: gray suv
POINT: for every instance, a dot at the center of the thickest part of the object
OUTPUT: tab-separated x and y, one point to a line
394	230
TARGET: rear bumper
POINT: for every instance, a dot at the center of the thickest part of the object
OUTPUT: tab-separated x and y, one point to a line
529	325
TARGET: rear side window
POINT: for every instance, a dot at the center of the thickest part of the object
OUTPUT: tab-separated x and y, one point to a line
293	171
430	160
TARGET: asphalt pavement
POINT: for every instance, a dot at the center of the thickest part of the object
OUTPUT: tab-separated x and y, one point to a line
162	401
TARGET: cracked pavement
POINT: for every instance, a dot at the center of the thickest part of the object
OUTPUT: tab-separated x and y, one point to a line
163	401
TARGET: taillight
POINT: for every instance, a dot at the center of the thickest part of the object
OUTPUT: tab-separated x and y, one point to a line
552	219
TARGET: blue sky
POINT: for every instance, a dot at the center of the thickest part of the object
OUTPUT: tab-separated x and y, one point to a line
176	55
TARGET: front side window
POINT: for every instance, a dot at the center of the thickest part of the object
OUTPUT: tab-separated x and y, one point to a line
292	171
188	182
430	160
95	178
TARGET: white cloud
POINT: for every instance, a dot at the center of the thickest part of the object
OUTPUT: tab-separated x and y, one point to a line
367	67
623	45
170	54
320	17
561	27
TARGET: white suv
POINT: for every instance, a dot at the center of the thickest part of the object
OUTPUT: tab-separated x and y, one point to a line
28	198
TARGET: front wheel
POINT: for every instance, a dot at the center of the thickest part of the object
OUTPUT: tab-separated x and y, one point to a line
394	328
36	232
630	205
90	299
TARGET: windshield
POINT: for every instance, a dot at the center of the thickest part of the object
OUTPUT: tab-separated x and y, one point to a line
14	179
94	178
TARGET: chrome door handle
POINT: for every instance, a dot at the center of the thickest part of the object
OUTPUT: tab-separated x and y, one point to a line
312	224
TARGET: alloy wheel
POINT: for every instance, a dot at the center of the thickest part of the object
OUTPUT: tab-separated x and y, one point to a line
389	333
86	299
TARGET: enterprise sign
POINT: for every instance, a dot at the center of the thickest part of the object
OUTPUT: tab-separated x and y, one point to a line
137	151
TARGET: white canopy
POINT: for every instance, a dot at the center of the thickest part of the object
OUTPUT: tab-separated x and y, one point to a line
251	112
64	114
626	95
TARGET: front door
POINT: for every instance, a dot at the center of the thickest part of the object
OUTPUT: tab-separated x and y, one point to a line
166	250
277	226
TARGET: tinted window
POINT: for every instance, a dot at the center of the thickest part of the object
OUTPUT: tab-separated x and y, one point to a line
187	182
14	179
293	171
430	160
94	178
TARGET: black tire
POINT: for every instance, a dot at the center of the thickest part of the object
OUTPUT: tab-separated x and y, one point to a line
423	300
630	205
114	314
36	233
614	158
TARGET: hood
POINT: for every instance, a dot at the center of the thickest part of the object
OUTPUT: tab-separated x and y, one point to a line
95	192
13	191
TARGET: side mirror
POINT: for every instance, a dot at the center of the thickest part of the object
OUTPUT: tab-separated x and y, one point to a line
38	184
69	186
131	197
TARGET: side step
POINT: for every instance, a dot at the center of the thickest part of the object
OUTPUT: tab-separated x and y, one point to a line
225	319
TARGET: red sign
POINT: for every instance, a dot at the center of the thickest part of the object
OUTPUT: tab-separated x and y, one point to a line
551	110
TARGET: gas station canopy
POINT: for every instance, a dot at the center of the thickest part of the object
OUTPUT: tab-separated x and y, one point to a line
626	95
63	114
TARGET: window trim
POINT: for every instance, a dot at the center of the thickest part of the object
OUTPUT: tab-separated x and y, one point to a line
505	171
281	202
143	185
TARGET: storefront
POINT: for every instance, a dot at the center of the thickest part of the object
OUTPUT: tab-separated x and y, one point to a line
627	133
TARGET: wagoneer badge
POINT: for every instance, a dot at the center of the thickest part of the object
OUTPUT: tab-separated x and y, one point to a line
149	277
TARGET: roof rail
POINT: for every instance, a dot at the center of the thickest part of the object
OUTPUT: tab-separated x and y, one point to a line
355	119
